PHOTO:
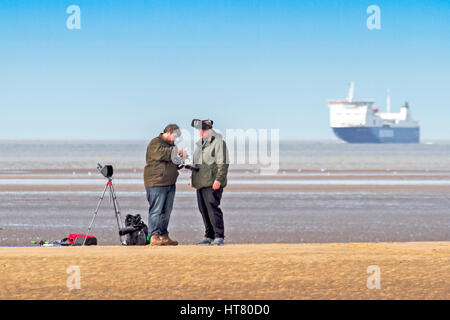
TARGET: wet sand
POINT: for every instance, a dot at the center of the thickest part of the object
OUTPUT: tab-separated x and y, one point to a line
263	212
410	270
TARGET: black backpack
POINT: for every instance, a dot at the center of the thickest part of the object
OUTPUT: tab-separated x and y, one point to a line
136	231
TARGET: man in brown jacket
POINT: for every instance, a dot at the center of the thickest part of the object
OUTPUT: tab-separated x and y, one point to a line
160	176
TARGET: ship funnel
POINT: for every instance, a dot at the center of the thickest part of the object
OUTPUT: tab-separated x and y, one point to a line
351	91
388	101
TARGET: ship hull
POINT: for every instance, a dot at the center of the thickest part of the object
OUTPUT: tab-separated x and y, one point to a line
378	134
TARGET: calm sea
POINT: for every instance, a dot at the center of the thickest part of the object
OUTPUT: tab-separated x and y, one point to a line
298	155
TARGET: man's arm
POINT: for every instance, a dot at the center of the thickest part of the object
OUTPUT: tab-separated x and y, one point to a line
221	161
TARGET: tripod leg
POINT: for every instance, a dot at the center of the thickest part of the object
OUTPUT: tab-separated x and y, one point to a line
116	210
95	213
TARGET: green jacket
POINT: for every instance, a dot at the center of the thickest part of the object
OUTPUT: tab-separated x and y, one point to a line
212	160
160	170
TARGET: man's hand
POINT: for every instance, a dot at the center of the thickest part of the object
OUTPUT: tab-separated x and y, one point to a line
182	153
216	185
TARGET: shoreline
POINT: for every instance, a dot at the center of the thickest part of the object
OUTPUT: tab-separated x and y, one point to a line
327	188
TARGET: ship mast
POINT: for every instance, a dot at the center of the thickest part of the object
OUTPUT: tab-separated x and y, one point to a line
351	91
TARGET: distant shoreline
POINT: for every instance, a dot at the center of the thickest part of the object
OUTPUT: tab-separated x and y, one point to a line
332	140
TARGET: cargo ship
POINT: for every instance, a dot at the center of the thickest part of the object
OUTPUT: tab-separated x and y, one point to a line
359	121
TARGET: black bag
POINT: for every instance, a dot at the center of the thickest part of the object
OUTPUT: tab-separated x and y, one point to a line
136	231
89	241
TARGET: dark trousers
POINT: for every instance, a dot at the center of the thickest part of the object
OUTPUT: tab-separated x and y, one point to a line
208	203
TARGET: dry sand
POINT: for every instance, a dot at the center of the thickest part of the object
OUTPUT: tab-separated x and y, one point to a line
411	270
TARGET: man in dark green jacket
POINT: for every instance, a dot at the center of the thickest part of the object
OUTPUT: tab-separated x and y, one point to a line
210	178
160	176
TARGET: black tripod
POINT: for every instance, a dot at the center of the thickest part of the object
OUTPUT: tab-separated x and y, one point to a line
107	171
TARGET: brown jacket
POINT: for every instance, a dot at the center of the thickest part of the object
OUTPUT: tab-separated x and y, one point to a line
160	170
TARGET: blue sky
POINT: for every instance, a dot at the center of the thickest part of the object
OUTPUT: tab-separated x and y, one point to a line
135	66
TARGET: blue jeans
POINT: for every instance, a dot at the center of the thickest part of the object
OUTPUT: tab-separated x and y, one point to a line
160	200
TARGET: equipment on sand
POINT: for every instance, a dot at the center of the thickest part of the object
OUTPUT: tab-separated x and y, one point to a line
136	231
76	239
107	172
48	243
72	239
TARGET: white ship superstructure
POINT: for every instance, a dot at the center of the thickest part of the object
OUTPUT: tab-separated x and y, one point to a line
359	121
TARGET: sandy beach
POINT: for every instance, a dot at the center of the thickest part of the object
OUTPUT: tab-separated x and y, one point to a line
410	270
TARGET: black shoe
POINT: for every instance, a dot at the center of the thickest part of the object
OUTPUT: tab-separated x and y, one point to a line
205	242
218	242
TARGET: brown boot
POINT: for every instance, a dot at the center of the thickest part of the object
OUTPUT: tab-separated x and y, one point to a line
165	240
155	240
